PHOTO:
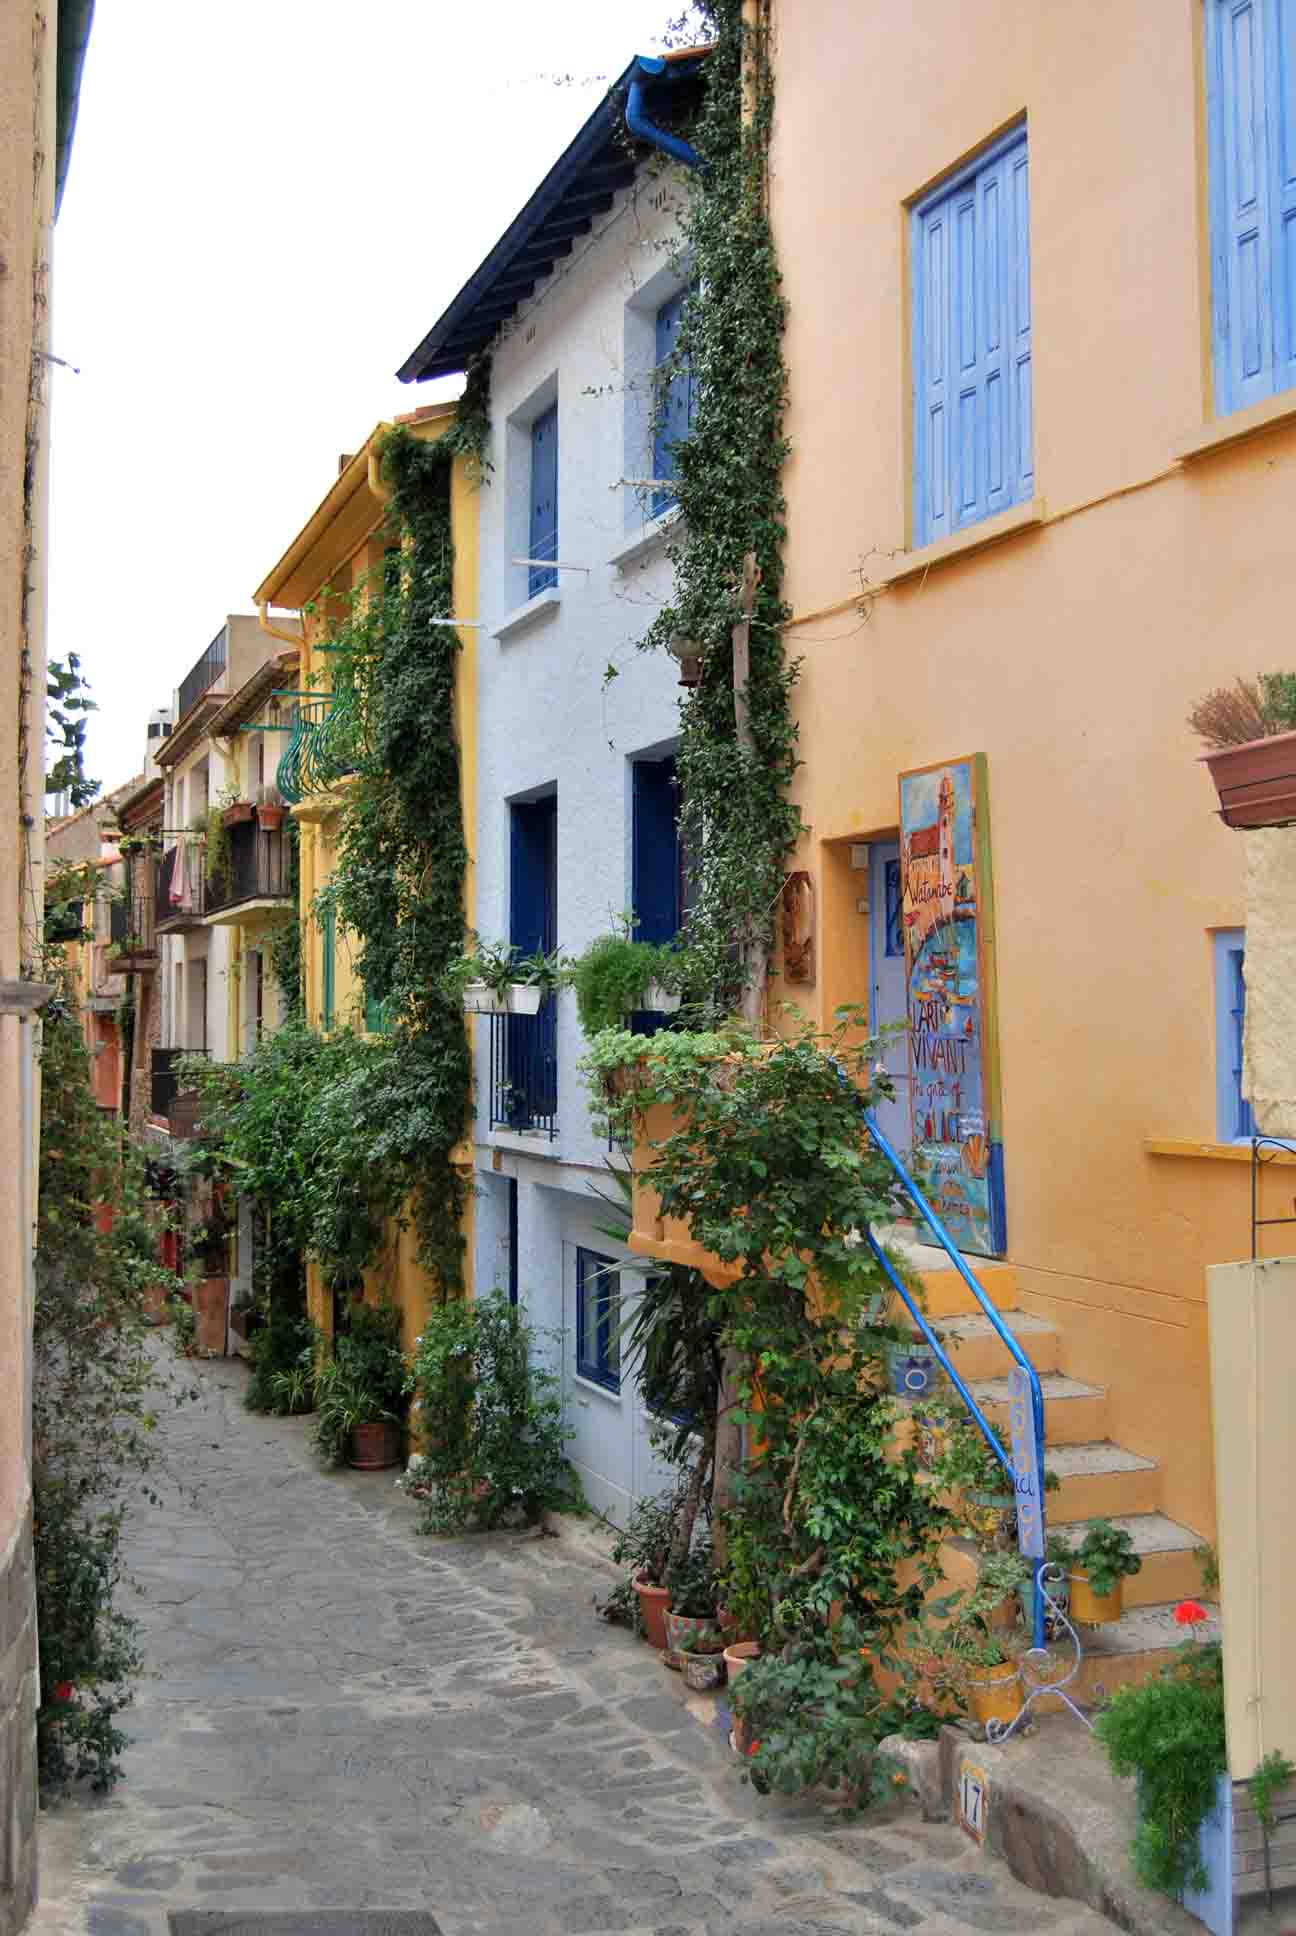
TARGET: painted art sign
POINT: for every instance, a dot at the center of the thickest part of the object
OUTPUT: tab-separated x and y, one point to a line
947	911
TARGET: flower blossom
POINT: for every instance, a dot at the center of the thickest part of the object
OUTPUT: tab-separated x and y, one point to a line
1189	1614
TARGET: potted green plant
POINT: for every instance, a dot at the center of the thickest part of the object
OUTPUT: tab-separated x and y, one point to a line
617	975
691	1620
1008	1575
643	1548
1250	729
359	1389
810	1717
970	1659
270	809
1103	1561
494	978
234	810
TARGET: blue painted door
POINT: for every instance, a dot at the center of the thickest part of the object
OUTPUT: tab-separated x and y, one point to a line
543	542
888	1003
533	929
673	402
655	884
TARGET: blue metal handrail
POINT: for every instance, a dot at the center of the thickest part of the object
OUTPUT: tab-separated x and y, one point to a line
991	1437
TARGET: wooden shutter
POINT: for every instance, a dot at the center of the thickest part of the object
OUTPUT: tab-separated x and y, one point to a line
972	345
1241	242
544	499
655	851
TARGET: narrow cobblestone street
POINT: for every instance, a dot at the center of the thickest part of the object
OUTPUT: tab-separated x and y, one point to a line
341	1714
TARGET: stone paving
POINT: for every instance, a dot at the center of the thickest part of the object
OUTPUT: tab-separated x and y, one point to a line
341	1714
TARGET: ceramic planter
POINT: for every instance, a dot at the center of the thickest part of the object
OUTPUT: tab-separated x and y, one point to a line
1256	782
659	1001
270	819
702	1672
1059	1594
374	1446
912	1369
478	999
524	998
1094	1609
238	813
654	1604
995	1694
703	1635
738	1655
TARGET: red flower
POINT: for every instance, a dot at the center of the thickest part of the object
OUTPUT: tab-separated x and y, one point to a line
63	1690
1188	1613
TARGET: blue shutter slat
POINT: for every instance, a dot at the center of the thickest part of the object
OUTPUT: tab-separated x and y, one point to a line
544	498
1241	58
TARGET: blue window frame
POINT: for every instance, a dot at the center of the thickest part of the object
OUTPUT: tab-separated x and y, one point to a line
672	398
657	884
543	538
972	344
1232	1110
598	1319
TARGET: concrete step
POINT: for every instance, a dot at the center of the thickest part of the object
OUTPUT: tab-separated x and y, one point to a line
946	1294
1100	1480
1170	1571
1131	1649
977	1350
1074	1414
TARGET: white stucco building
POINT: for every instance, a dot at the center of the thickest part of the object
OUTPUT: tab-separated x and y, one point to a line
577	305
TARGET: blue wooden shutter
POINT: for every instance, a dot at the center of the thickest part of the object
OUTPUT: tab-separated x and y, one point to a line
544	498
973	437
655	851
673	401
533	875
1241	241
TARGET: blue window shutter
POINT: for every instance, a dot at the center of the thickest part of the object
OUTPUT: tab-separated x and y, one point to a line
972	345
1232	1111
1239	55
655	868
1282	93
543	542
533	875
673	401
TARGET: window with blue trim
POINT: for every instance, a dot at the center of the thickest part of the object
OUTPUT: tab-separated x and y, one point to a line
972	344
598	1319
542	543
1232	1110
1251	124
672	398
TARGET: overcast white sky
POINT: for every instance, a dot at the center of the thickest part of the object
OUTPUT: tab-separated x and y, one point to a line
269	203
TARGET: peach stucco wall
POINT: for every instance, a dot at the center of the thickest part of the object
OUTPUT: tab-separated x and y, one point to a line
1068	653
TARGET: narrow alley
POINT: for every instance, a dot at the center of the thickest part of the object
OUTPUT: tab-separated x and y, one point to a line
337	1714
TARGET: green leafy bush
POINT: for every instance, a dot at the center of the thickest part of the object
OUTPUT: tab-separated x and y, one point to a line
360	1379
1168	1732
813	1718
612	978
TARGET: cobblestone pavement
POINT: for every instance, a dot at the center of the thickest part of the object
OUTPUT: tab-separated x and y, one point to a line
341	1714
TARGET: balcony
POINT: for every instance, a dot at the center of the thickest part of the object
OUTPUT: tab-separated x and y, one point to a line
204	674
163	1081
180	888
524	1071
132	942
257	881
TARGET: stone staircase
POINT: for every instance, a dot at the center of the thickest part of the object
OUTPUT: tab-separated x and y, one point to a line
1098	1477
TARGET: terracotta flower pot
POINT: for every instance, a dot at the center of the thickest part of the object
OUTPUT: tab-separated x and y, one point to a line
996	1693
704	1636
237	813
702	1672
738	1655
270	819
374	1446
1256	782
654	1604
1095	1609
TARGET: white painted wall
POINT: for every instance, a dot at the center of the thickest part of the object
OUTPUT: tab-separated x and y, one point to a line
547	716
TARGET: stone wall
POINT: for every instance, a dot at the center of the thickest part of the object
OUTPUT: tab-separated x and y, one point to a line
17	1735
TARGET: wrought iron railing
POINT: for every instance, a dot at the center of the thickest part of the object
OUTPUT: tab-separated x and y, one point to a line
524	1070
173	912
203	674
323	747
257	869
130	926
163	1081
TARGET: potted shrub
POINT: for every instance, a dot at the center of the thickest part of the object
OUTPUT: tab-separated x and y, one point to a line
1009	1576
270	809
970	1659
234	810
359	1390
691	1620
617	976
1103	1561
1250	729
643	1547
809	1717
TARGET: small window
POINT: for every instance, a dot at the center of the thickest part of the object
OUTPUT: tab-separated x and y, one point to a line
598	1319
1233	1111
543	540
672	398
1251	121
972	344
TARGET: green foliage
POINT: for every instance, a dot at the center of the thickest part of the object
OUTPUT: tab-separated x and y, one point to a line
360	1381
89	1656
1274	1774
502	966
67	702
736	816
70	895
1169	1733
814	1718
490	1418
613	975
184	1326
1106	1554
285	947
693	1584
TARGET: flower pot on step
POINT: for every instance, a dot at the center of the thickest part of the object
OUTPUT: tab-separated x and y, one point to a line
1094	1609
654	1604
912	1369
996	1693
738	1655
703	1672
1256	782
703	1635
374	1446
1059	1593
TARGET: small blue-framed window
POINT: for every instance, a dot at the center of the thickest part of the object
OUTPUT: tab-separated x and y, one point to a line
972	349
1232	1110
672	398
543	536
1251	136
328	968
598	1319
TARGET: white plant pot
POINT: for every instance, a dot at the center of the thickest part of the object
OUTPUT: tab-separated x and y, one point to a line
478	999
523	999
659	1001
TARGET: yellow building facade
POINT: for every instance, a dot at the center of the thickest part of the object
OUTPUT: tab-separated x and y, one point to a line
335	556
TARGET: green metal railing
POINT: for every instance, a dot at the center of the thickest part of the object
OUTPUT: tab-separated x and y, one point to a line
325	736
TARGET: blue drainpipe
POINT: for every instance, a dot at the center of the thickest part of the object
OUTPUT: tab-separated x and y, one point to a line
649	67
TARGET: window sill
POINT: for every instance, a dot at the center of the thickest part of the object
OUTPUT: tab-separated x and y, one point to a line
1211	1152
523	1142
649	537
584	1383
542	605
1224	432
914	564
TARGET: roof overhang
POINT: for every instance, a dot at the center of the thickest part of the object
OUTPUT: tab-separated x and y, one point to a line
191	729
253	693
580	186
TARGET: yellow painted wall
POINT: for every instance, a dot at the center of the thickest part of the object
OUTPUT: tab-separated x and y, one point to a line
1068	653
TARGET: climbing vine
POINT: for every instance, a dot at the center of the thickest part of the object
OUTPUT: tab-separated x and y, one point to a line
737	754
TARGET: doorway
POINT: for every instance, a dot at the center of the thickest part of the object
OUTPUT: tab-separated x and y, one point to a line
888	989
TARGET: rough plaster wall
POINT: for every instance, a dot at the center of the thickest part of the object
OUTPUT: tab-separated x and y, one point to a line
1269	1046
545	715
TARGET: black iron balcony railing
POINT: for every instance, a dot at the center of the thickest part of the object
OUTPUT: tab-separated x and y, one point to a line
180	887
204	674
163	1081
524	1070
118	922
130	928
257	869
